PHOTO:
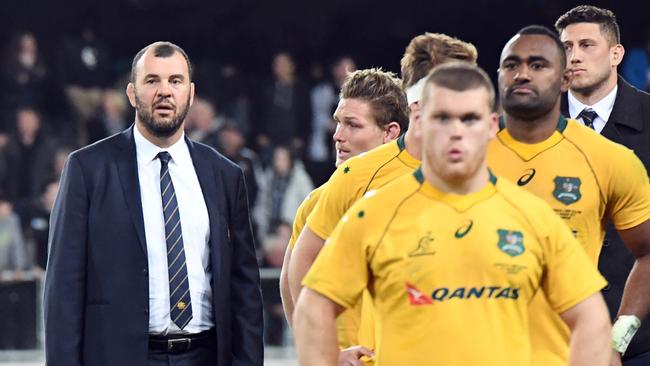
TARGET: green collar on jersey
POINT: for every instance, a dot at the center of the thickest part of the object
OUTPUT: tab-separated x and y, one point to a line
401	143
419	176
561	123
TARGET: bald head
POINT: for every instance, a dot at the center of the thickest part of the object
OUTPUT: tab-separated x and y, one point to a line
160	49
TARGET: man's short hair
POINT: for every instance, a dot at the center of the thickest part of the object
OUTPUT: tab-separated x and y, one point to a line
382	90
460	76
540	30
591	14
161	49
429	50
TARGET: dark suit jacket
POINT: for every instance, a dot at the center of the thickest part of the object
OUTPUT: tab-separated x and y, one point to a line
96	298
629	125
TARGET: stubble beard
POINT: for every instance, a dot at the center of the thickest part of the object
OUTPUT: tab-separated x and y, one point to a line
589	89
159	128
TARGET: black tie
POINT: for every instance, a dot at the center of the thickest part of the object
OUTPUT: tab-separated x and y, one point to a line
588	116
179	286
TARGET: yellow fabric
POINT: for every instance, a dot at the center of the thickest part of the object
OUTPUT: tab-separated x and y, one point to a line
588	181
354	178
305	208
451	277
351	181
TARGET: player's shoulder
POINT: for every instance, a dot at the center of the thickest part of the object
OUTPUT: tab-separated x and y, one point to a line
312	198
369	162
384	201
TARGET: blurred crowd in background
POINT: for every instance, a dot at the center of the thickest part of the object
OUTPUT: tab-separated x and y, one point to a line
277	128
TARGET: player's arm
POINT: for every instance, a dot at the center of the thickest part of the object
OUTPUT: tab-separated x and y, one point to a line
630	211
636	296
315	329
590	332
285	291
341	191
304	254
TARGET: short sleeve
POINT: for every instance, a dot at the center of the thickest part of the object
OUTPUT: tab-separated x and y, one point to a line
340	271
341	191
628	192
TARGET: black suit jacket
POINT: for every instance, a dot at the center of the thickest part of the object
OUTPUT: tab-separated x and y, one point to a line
629	125
96	299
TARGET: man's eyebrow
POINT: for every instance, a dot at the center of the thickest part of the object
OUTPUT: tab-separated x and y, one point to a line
532	58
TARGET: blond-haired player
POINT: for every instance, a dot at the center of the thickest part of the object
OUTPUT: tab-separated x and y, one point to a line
377	167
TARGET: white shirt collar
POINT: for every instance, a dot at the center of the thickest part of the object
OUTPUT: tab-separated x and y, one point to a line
603	107
147	151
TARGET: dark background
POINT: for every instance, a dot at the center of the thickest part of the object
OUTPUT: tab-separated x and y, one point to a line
248	32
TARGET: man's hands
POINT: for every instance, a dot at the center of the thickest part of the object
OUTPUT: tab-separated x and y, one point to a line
352	356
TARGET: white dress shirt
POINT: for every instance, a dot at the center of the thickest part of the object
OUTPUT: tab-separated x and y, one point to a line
603	108
195	225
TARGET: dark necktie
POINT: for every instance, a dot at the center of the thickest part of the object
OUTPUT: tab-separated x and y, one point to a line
179	286
588	116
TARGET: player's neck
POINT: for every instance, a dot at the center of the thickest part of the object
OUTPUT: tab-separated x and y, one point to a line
535	131
413	145
592	96
460	186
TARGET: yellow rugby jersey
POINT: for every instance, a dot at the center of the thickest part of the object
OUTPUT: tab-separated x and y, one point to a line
588	180
351	181
452	276
348	324
354	178
305	208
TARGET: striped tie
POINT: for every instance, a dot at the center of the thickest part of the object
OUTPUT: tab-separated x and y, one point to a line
179	286
588	116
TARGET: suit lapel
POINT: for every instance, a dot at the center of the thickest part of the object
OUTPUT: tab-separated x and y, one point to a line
127	166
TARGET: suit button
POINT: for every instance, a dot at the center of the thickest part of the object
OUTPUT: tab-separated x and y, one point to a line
606	243
606	288
145	272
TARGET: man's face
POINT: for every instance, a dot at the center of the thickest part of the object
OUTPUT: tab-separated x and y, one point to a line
531	77
356	129
456	128
590	57
162	93
283	66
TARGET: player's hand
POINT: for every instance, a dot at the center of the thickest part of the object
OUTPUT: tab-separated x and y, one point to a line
616	359
351	356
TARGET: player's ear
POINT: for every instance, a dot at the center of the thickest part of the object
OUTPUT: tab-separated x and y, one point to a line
391	131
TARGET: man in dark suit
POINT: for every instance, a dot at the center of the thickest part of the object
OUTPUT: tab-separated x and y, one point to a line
602	100
151	253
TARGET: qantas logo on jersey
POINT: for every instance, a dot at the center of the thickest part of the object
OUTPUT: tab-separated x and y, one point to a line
417	297
527	177
567	189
